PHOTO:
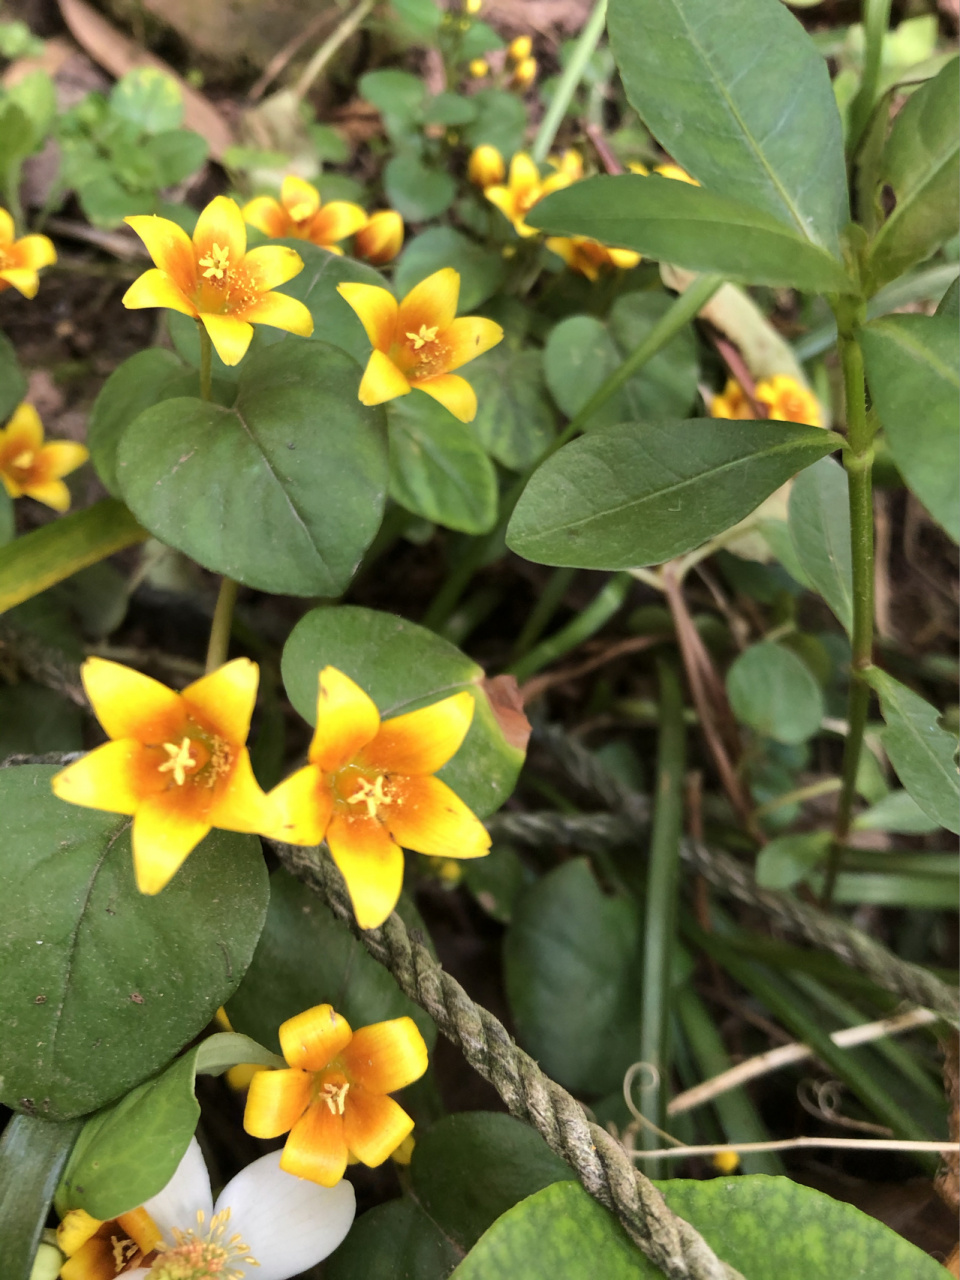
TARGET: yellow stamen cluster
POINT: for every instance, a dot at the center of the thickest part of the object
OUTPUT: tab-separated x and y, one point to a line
180	761
372	794
216	261
208	1256
425	335
335	1096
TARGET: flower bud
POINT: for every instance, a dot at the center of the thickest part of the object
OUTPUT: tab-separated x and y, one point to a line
473	6
525	73
486	167
479	68
520	48
381	239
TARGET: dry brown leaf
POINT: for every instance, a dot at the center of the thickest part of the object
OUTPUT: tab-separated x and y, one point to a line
106	45
507	706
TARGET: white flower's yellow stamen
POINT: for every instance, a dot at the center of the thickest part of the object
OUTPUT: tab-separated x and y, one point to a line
203	1257
335	1096
216	261
124	1250
23	460
180	761
372	794
424	336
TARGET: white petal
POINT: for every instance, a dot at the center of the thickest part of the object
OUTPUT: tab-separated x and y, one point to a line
288	1224
186	1192
138	1273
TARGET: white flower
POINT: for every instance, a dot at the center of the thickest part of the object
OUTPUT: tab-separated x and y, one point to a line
266	1224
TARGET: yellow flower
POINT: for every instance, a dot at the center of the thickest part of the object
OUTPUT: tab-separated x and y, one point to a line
665	171
473	7
787	401
417	342
525	188
333	1098
589	257
404	1153
21	260
485	166
100	1250
731	403
479	68
299	215
176	761
524	73
215	280
369	789
30	467
569	162
519	48
381	239
725	1161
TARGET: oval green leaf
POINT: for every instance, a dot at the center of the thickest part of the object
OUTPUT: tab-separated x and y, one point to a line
774	692
481	269
515	421
13	384
819	524
32	1153
394	1241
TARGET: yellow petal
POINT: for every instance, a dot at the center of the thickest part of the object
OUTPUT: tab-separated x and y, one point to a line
347	719
221	223
141	1229
7	228
52	493
240	804
264	213
23	280
92	1261
303	804
386	1056
377	310
428	817
432	302
374	1126
164	834
276	1101
63	456
469	337
454	393
371	864
35	252
129	704
335	221
280	311
381	380
77	1226
115	777
523	172
270	265
156	289
230	336
312	1039
316	1149
625	259
421	742
502	197
25	427
300	198
225	698
171	250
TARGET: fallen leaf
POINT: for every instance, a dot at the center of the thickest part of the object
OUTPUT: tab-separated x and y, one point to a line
507	706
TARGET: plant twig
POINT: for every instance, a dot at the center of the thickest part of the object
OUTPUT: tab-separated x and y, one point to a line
797	1144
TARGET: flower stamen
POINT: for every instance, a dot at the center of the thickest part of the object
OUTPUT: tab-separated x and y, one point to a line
372	794
23	460
335	1096
216	261
180	761
424	336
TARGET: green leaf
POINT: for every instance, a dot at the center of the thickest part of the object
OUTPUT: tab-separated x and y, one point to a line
911	364
571	958
690	227
481	269
772	1228
897	811
449	110
641	493
787	860
298	449
306	957
774	692
8	522
34	720
950	302
560	1231
921	163
129	1151
149	98
437	468
469	1169
819	523
397	95
415	190
36	95
896	889
502	122
177	153
13	383
480	39
403	667
752	118
102	984
32	1153
923	754
580	355
515	421
496	881
418	19
393	1241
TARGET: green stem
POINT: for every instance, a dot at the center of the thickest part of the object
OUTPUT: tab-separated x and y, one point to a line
221	625
541	613
206	362
569	81
583	626
661	905
876	19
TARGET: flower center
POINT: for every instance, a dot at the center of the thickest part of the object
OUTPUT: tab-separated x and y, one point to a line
300	212
216	262
24	460
200	757
199	1255
424	336
180	761
125	1252
372	794
335	1096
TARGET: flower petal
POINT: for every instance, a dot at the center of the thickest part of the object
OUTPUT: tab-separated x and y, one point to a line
240	803
7	228
34	252
76	1227
60	457
225	698
92	1261
428	817
267	215
24	430
300	198
221	223
302	804
115	777
374	1126
23	280
377	310
421	741
288	1224
432	302
313	1038
316	1148
156	289
276	1101
187	1192
141	1229
230	336
129	704
280	311
335	221
381	381
625	259
166	829
454	393
469	337
386	1056
347	719
272	264
53	493
371	864
523	172
171	250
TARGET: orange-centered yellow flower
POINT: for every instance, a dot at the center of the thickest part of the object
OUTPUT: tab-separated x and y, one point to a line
298	214
417	342
525	188
34	469
215	280
589	257
102	1250
784	398
21	260
333	1099
369	789
177	762
381	239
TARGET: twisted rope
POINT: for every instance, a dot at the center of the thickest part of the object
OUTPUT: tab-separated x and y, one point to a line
599	1161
